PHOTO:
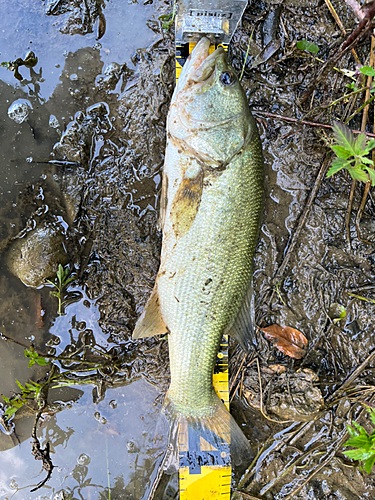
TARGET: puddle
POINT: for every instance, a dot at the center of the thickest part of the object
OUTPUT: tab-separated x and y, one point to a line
92	446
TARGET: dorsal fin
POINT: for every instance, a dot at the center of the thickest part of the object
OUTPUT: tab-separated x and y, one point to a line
244	325
150	322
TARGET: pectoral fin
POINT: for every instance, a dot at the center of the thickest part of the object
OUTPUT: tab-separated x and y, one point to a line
150	322
186	203
244	325
163	201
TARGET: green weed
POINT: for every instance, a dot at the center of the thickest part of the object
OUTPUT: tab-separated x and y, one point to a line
352	152
29	392
35	358
309	46
364	442
168	19
63	280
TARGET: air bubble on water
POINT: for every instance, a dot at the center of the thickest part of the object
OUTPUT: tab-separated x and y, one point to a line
103	420
130	446
13	485
113	404
53	121
73	77
19	110
29	159
83	459
97	416
97	46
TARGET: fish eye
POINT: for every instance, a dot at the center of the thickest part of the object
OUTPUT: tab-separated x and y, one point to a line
227	78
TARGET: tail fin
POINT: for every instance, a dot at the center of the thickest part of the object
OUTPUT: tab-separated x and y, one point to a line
206	439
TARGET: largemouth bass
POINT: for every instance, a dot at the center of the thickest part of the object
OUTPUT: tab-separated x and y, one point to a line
212	198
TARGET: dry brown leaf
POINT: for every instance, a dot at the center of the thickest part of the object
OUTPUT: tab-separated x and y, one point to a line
288	340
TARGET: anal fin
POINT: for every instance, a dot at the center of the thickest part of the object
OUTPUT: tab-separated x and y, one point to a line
244	325
150	322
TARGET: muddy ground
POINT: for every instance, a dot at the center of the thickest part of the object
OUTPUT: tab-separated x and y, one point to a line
104	202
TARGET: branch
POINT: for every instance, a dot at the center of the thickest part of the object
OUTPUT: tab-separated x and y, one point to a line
357	35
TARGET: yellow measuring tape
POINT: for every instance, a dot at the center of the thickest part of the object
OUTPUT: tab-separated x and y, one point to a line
201	481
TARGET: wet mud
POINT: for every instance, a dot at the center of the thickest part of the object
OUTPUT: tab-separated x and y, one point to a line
103	127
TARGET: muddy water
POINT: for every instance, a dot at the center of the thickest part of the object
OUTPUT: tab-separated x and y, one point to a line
99	108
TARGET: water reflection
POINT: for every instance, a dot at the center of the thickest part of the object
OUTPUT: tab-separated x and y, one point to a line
100	438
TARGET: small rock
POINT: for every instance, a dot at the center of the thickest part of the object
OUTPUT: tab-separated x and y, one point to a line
36	256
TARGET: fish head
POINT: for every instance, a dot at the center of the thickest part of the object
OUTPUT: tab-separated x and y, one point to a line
209	114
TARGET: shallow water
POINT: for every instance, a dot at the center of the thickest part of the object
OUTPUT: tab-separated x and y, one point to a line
94	446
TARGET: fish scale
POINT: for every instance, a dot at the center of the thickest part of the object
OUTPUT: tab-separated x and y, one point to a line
214	249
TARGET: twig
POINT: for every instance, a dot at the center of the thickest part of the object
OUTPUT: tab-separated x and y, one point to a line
302	219
246	496
294	461
247	53
41	454
262	409
302	122
348	213
339	443
339	23
356	8
355	374
357	35
366	103
52	357
363	126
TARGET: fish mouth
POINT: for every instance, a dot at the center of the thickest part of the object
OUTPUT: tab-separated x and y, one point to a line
200	65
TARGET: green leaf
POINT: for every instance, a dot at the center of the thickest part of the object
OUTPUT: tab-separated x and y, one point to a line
367	161
358	174
67	281
358	454
309	46
60	273
55	294
31	363
359	441
20	385
367	70
359	428
42	361
371	412
5	399
369	463
51	283
337	164
342	152
344	137
360	144
370	145
10	411
165	17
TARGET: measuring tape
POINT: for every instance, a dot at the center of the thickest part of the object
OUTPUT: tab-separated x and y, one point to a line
197	480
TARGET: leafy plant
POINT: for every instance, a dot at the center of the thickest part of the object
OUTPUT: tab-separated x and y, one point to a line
63	280
168	19
30	391
352	154
364	442
35	358
367	70
309	46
